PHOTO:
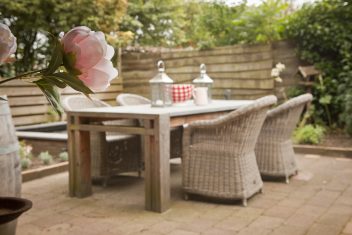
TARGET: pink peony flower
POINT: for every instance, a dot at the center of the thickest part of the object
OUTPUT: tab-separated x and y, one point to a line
8	43
87	54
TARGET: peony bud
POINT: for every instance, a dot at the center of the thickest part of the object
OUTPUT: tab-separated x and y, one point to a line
87	54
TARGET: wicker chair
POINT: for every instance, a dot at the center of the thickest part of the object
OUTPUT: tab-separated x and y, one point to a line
175	134
274	150
218	155
117	153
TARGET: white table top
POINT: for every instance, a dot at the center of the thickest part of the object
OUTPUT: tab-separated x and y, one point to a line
188	108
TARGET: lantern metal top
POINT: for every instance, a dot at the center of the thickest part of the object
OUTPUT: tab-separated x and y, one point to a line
161	77
203	78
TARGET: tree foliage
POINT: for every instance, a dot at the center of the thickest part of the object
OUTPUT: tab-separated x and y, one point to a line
324	38
210	24
262	23
28	19
155	22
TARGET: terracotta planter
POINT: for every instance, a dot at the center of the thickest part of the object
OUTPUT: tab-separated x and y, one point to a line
10	209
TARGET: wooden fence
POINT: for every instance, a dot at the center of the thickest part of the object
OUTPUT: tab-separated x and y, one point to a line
241	71
29	106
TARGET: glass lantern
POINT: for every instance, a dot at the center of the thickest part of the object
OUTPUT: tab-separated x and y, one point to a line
161	88
204	81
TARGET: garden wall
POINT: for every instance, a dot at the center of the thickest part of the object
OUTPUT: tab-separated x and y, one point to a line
240	71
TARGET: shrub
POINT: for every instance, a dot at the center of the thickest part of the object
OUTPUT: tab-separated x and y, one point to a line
46	158
63	156
324	39
26	155
309	134
26	163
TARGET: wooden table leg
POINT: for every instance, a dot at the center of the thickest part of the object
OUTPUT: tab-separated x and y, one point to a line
79	160
157	165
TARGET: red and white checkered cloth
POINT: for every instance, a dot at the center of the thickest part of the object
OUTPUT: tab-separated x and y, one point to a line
181	92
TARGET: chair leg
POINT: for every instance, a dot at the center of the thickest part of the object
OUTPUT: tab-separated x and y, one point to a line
105	181
244	202
287	180
185	196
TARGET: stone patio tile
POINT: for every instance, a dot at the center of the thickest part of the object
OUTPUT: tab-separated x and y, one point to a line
289	230
48	221
181	215
267	222
280	211
321	229
274	195
344	200
218	231
182	232
220	213
165	226
321	201
28	229
333	219
303	194
254	230
198	225
340	209
301	220
313	205
249	212
259	201
311	210
234	223
291	202
348	228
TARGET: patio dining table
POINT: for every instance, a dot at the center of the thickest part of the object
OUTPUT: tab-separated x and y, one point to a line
156	135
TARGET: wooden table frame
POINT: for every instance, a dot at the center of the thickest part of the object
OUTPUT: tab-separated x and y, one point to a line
156	133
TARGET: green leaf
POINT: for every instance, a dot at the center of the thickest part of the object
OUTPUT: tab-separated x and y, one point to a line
72	81
51	93
326	99
55	81
56	57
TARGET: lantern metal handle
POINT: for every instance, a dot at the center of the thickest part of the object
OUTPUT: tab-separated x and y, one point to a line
203	69
161	66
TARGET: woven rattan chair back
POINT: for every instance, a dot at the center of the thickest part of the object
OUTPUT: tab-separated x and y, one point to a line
131	99
76	102
218	156
274	150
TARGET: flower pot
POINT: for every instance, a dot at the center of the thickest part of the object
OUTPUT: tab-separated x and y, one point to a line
10	209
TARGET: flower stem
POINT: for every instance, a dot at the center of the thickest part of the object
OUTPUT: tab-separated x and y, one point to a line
21	76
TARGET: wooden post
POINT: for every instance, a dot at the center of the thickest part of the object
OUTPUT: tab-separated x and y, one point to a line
80	161
157	172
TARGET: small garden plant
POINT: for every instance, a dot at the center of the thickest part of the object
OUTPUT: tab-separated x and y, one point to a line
309	134
63	156
46	158
26	155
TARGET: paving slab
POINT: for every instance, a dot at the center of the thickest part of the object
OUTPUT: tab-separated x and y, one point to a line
317	201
